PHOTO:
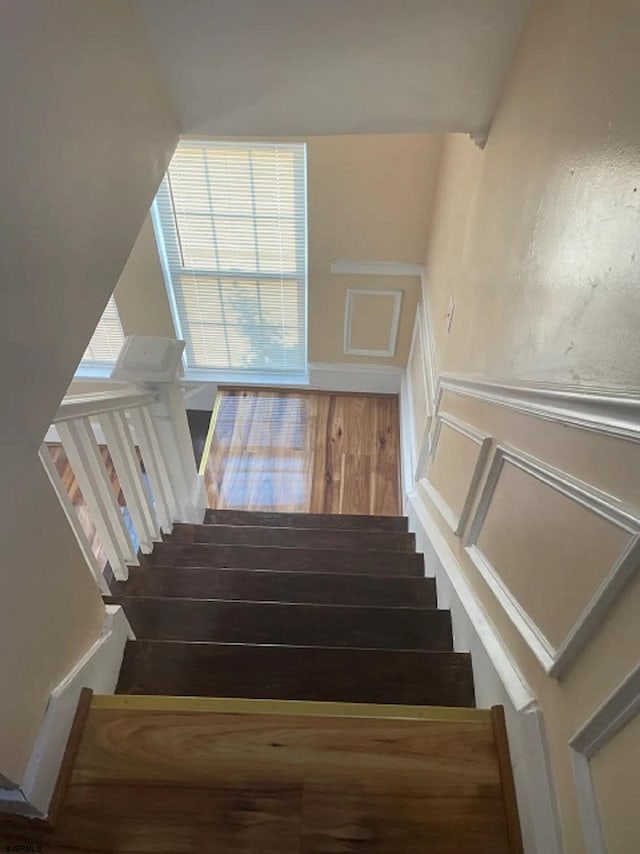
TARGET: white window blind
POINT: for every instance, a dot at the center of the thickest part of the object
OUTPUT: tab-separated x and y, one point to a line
230	221
106	342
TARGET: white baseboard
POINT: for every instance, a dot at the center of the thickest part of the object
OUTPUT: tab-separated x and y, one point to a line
497	681
379	379
98	669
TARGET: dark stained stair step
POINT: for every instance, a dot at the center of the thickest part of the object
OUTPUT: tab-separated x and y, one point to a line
256	535
288	624
289	559
297	673
307	520
258	585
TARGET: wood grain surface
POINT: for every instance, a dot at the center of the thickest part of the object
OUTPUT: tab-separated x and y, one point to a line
297	673
256	585
296	624
376	562
305	452
170	781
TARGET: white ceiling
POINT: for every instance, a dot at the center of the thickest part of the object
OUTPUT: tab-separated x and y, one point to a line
286	67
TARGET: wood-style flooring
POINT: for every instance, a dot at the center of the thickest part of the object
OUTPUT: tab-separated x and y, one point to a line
183	776
277	450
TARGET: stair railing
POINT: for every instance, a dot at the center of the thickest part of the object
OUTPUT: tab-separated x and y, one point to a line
144	428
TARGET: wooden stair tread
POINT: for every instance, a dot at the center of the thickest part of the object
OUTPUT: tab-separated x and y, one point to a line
292	624
378	562
307	520
272	585
297	673
257	535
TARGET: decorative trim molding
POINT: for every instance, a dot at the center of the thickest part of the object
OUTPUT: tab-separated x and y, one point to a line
351	376
517	687
620	708
596	409
554	660
457	523
407	467
392	341
375	268
98	669
419	444
499	681
429	347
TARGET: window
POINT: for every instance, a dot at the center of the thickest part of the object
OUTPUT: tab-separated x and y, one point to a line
230	221
105	345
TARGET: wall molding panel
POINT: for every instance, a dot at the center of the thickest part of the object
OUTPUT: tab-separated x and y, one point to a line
420	445
556	659
429	346
598	410
498	680
394	322
456	521
617	711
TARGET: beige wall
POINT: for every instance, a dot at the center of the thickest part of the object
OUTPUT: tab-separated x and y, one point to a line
369	199
537	236
141	295
89	136
537	239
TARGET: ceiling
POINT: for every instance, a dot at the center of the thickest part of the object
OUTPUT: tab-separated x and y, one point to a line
274	67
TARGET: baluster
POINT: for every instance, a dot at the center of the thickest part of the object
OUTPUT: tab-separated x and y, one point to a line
163	494
123	453
89	468
72	516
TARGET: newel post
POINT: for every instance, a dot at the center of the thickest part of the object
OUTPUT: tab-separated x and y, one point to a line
156	364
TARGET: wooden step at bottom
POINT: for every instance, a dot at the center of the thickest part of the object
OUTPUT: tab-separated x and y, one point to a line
289	624
308	538
257	585
288	559
297	673
307	520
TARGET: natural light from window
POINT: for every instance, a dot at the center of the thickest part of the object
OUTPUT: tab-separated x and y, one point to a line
105	345
230	222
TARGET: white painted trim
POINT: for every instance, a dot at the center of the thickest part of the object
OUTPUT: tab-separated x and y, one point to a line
420	445
600	410
515	684
375	268
457	523
429	346
620	708
87	405
525	723
98	669
556	660
346	376
406	442
392	340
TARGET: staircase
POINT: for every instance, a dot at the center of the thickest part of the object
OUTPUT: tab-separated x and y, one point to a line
292	689
288	606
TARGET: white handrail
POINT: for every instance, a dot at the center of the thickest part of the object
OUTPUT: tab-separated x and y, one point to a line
87	405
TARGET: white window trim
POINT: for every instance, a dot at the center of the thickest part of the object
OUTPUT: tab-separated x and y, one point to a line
246	375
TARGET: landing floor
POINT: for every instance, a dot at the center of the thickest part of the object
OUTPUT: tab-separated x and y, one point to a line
307	452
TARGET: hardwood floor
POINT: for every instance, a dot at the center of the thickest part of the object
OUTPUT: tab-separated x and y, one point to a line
180	776
276	450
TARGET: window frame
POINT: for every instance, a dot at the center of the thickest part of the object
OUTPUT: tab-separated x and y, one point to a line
257	376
